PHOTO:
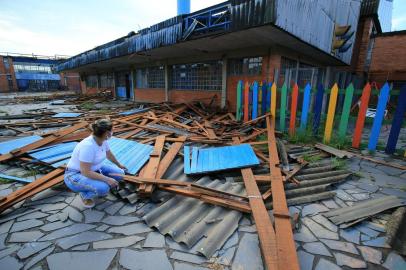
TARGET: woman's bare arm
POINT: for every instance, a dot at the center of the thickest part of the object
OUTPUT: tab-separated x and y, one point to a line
112	158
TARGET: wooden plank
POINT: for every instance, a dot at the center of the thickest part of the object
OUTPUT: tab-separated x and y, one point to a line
293	109
46	181
210	130
47	140
345	114
228	203
379	115
263	222
246	101
330	113
169	157
359	125
317	109
286	249
397	122
305	107
239	101
282	112
151	168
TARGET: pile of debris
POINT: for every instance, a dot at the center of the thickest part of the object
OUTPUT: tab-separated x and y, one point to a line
155	142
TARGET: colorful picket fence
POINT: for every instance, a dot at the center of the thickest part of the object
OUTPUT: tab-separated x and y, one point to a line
296	105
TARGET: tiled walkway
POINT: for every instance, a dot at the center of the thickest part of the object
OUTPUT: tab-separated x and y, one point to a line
52	231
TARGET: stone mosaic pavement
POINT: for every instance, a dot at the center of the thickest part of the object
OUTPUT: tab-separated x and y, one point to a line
52	231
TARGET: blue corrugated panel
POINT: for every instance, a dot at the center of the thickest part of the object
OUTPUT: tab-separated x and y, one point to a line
14	178
134	111
7	146
186	159
131	154
67	115
219	158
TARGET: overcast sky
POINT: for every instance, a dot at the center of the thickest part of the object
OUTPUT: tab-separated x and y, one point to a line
68	27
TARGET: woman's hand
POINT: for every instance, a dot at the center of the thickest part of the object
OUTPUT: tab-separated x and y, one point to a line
121	166
112	183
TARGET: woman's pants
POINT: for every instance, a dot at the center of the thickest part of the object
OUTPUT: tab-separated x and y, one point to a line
90	188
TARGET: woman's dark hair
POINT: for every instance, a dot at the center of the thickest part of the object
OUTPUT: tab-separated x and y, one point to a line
101	126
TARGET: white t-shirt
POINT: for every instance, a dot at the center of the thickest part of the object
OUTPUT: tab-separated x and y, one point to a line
88	151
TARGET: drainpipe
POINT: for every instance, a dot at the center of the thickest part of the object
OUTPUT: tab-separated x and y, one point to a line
166	68
224	83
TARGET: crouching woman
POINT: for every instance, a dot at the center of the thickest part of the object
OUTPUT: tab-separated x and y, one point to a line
86	171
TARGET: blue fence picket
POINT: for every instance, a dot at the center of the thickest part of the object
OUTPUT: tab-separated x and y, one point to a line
268	97
397	122
305	107
380	111
317	108
255	100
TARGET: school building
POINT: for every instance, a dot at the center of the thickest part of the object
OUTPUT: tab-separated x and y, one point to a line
22	72
202	55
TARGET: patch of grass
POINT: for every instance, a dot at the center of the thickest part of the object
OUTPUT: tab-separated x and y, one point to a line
340	143
311	158
339	163
358	174
403	188
4	181
87	105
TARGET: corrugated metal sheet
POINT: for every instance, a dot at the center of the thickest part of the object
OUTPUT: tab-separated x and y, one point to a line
7	146
198	225
130	153
313	21
248	13
219	158
351	215
67	115
134	111
162	34
15	178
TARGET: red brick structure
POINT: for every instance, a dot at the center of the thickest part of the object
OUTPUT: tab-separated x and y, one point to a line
8	81
388	61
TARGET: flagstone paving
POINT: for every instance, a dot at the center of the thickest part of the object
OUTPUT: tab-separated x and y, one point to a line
53	231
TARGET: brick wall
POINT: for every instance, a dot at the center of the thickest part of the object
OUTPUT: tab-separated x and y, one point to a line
149	95
71	81
389	58
4	85
362	40
204	96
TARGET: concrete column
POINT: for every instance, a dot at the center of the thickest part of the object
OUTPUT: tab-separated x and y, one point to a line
166	82
98	82
224	83
132	85
114	85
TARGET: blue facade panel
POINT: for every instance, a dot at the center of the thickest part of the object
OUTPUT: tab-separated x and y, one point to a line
37	76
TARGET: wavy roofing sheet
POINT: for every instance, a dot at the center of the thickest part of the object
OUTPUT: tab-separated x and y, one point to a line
200	226
67	115
131	154
7	146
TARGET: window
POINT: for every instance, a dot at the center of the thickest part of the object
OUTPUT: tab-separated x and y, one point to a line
106	80
197	76
32	67
245	66
6	63
150	77
91	81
